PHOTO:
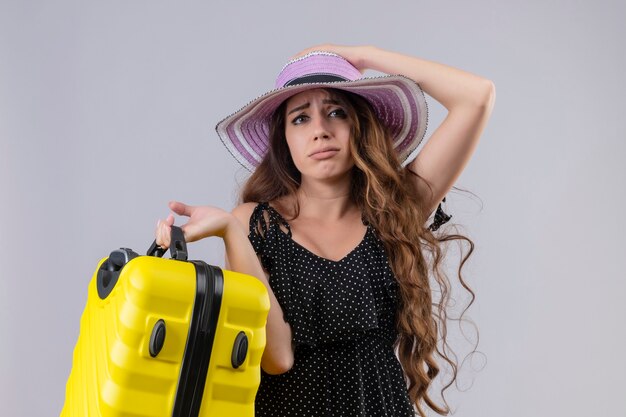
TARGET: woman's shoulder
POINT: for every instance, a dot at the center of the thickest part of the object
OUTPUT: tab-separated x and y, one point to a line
244	211
245	208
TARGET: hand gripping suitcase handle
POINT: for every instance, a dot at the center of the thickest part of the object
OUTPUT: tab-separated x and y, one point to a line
178	246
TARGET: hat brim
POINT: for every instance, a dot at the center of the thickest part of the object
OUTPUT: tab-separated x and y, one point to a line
398	101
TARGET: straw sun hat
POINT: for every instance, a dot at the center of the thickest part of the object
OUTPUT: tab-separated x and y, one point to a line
398	102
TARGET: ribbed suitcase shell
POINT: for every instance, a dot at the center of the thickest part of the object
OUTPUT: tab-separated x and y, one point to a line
113	373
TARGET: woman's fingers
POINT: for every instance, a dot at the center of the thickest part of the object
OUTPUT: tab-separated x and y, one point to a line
353	54
157	233
163	234
323	47
164	227
201	222
180	208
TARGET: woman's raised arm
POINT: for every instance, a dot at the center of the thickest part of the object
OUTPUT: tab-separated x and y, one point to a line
468	98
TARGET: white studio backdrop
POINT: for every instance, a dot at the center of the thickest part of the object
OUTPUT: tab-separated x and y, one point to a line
107	111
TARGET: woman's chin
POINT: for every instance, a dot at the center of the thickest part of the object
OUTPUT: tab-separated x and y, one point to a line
327	173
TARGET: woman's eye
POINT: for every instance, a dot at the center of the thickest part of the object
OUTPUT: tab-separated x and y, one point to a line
299	119
338	113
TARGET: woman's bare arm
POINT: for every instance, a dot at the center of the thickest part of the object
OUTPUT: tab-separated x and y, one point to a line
205	221
240	257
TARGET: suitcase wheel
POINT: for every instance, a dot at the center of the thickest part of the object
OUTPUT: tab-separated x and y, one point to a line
157	338
240	350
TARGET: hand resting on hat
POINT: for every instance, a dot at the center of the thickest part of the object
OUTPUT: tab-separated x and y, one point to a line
353	54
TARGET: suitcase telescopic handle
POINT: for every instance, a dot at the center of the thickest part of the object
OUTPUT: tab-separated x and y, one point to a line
178	246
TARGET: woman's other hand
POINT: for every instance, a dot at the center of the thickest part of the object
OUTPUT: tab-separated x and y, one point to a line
354	54
204	221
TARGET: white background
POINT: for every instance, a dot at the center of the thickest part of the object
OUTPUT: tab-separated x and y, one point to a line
107	111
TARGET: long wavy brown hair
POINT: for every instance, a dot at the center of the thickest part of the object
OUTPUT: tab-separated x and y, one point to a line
386	194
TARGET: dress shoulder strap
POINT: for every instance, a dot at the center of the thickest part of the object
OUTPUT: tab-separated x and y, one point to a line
440	217
265	217
265	231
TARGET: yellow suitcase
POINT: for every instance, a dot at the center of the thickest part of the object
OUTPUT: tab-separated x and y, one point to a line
167	337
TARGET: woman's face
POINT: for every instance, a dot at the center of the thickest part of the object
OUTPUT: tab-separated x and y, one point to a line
318	131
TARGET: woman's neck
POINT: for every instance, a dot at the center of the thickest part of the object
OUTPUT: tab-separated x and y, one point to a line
325	200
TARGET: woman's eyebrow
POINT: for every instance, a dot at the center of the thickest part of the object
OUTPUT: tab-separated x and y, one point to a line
302	107
307	105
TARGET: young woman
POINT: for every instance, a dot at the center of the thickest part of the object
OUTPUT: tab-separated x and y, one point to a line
333	221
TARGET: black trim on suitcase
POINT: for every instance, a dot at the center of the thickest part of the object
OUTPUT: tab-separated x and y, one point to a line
195	365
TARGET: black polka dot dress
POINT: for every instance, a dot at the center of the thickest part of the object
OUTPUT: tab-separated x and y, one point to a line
342	316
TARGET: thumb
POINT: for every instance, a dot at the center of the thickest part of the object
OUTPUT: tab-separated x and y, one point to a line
180	208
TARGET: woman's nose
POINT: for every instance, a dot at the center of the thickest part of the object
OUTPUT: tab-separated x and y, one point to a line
320	128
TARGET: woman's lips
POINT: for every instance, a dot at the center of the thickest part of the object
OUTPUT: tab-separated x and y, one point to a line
325	153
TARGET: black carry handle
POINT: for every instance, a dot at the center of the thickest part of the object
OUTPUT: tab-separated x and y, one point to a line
178	246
